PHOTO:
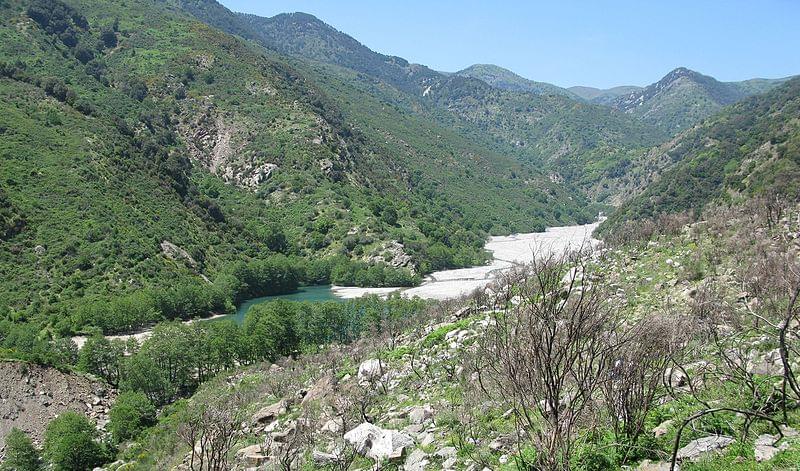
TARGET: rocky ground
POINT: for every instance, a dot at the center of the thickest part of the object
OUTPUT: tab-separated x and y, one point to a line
32	395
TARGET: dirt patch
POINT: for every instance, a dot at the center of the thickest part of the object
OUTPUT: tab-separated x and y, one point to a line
32	395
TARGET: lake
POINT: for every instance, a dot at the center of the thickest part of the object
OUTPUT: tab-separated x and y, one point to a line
304	293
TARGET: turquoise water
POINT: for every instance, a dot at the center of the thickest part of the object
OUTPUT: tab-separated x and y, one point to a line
316	293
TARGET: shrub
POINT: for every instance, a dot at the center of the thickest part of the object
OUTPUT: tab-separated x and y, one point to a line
20	454
131	414
70	443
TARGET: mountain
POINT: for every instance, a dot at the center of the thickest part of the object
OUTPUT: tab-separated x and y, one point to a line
507	80
751	148
304	35
685	97
603	96
143	149
572	141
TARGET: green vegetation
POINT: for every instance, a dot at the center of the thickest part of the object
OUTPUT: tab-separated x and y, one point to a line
20	454
752	148
131	414
70	443
684	98
505	79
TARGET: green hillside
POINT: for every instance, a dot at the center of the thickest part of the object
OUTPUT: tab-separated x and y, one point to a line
507	80
751	148
684	97
143	149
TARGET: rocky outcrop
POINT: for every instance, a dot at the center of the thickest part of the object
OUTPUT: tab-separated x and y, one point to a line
32	395
268	414
377	443
393	254
703	447
177	254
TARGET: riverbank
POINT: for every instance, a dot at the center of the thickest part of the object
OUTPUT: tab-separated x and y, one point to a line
507	252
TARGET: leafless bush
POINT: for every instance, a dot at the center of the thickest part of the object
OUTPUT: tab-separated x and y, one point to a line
209	429
635	378
550	350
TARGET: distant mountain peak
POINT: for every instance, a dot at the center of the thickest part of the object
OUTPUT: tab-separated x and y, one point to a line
499	77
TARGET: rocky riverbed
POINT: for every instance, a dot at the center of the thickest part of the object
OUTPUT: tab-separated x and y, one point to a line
507	251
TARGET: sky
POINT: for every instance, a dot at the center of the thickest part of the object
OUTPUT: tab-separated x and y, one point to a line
601	43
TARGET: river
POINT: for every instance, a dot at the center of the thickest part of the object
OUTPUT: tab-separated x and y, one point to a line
507	251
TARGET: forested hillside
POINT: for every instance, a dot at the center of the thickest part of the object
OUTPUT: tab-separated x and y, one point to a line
140	145
684	97
751	148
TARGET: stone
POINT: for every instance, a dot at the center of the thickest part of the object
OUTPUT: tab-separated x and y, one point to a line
663	428
697	449
377	443
420	414
449	463
648	465
416	461
268	414
322	388
253	455
676	377
324	459
765	448
447	452
333	426
370	370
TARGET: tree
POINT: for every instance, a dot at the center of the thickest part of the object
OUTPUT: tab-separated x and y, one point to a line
102	357
70	443
270	331
131	413
143	374
20	454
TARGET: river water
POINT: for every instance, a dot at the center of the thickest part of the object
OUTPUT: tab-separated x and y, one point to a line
507	251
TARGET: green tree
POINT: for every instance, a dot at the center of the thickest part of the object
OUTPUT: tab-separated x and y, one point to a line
269	329
131	413
70	443
21	455
103	358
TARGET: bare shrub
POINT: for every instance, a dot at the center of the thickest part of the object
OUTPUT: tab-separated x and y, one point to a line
635	377
549	351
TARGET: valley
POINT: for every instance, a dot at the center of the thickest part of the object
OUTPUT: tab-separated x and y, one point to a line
235	242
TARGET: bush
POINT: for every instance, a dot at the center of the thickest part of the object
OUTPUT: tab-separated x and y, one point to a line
131	414
70	443
20	454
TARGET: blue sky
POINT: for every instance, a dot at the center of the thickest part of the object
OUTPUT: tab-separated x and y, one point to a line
596	43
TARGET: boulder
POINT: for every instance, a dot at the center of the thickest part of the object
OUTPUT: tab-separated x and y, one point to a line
377	443
447	452
702	447
269	413
370	370
420	414
416	461
765	448
319	390
648	465
662	428
253	455
324	459
333	425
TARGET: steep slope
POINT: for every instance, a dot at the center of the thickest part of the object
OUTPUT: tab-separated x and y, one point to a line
752	147
119	137
507	80
577	143
684	97
304	35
